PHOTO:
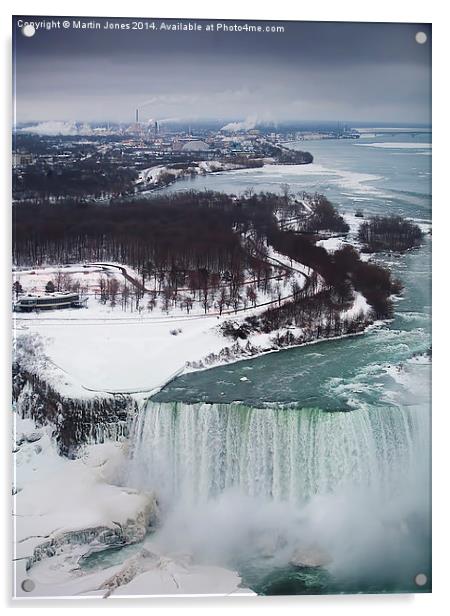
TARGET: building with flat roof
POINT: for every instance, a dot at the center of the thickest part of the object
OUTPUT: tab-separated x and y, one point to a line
49	301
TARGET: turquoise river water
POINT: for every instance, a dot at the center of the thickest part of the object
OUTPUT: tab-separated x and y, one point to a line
325	445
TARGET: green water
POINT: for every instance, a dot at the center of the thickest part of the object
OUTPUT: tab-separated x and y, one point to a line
234	460
337	374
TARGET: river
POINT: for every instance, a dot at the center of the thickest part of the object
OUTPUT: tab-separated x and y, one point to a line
326	444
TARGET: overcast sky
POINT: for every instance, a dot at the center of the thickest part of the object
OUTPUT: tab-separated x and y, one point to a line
312	71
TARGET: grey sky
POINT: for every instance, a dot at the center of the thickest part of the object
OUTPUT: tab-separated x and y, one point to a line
312	71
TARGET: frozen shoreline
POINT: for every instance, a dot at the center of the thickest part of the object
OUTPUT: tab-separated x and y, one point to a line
63	509
103	351
373	325
166	356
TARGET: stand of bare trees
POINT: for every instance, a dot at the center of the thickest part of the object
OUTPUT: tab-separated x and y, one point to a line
193	242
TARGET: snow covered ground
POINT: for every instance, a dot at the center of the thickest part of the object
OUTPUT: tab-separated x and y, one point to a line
104	349
55	495
123	355
86	275
107	349
332	243
147	574
64	509
151	177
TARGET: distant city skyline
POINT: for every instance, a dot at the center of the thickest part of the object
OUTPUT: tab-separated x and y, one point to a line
314	71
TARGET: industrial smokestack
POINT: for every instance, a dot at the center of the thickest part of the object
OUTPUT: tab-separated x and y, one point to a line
137	116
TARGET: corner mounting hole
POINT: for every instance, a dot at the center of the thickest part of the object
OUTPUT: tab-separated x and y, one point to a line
421	579
28	30
421	38
28	585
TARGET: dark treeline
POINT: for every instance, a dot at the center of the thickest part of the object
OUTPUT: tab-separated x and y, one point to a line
60	181
324	217
341	270
196	240
372	280
168	237
320	313
294	157
286	156
48	144
389	233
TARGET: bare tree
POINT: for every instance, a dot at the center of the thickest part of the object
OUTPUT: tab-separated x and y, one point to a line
251	295
17	288
125	296
113	289
222	300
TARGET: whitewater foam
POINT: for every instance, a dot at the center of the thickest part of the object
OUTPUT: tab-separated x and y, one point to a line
194	452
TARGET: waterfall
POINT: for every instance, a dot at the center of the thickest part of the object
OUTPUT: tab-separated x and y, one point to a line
197	451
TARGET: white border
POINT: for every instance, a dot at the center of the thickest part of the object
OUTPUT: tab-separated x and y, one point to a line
327	10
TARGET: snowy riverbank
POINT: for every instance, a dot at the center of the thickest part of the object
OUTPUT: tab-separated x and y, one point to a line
160	176
106	349
81	356
65	509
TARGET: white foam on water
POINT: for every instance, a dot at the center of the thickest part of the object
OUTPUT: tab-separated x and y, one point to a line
352	180
397	146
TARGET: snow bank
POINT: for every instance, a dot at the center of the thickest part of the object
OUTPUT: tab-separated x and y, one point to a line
152	176
147	574
151	573
64	509
121	357
360	306
174	579
331	244
60	503
101	351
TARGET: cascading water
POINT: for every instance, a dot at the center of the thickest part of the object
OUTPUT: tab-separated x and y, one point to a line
246	487
194	452
248	482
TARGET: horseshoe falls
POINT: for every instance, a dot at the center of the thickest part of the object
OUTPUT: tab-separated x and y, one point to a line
327	444
245	486
194	452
